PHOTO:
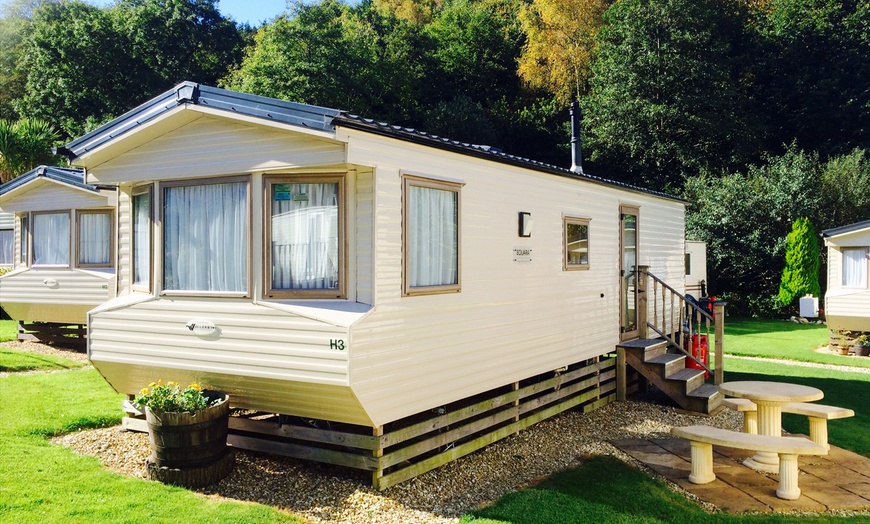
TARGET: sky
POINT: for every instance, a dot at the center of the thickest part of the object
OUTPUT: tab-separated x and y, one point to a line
254	12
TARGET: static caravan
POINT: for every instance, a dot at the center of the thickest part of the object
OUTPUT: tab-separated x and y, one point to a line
412	296
847	300
7	240
63	260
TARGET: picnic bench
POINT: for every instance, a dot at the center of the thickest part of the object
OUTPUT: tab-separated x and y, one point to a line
818	415
703	438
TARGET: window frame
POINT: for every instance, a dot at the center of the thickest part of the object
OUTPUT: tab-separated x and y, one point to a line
248	237
104	211
304	178
24	240
70	250
12	245
866	267
138	191
577	221
409	180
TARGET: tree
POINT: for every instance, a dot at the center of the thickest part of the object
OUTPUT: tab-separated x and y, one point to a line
665	99
15	27
560	42
800	276
24	145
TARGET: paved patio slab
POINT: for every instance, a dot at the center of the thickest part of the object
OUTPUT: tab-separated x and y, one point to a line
838	481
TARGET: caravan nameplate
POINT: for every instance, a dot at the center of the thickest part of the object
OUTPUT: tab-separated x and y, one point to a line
522	254
201	327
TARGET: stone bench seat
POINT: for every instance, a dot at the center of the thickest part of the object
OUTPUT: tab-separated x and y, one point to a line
703	438
818	415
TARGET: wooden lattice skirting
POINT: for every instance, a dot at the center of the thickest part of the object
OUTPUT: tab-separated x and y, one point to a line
414	445
73	335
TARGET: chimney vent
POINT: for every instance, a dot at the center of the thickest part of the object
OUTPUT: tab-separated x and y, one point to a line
576	153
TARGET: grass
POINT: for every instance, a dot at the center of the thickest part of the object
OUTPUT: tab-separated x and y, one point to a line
783	340
8	330
41	483
13	360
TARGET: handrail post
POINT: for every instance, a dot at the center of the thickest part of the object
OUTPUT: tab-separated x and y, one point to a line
719	319
642	285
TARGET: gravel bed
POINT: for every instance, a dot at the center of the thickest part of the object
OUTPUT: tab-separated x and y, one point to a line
44	349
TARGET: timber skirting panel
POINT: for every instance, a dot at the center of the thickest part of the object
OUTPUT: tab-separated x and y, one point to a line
74	335
414	445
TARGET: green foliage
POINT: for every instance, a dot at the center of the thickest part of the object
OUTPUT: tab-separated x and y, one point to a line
87	64
800	276
170	397
24	145
846	183
663	102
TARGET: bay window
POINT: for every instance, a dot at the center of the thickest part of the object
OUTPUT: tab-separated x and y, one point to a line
304	237
141	217
855	267
94	240
205	236
51	239
7	246
431	236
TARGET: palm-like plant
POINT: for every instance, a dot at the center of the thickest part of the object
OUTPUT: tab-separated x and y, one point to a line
24	145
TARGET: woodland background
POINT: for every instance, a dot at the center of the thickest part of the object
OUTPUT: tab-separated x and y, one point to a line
757	112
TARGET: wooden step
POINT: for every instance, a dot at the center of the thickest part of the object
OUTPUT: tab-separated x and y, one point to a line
671	362
647	348
693	378
705	399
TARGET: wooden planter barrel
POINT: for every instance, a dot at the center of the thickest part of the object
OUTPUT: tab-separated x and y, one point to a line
190	449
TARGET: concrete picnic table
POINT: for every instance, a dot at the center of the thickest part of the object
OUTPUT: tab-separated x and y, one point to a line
770	397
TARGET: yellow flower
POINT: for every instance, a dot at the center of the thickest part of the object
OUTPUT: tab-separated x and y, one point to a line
196	387
144	391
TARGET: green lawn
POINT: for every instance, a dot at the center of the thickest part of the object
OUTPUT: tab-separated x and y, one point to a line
8	330
12	360
41	483
783	340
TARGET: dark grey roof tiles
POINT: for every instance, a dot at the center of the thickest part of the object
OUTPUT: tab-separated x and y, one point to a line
73	177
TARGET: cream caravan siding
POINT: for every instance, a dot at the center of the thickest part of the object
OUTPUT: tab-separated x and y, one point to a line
511	320
55	295
52	196
364	216
125	267
7	220
211	146
285	354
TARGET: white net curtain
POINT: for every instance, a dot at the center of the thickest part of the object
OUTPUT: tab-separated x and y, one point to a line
142	239
7	243
855	267
51	239
205	231
95	239
304	236
433	237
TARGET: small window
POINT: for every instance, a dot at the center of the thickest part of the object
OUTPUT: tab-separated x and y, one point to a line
51	239
431	236
142	247
94	240
688	264
7	247
576	243
855	267
205	237
304	237
25	235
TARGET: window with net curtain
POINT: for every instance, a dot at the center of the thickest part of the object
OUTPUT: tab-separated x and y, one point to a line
7	246
205	237
431	236
855	267
304	238
142	238
50	239
95	239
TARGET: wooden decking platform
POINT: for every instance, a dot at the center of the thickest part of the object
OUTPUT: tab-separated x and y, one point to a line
837	481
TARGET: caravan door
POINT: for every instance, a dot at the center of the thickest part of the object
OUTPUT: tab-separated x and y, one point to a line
628	231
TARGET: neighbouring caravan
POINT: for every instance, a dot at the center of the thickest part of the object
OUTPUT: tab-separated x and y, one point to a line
415	296
696	268
847	300
63	259
7	240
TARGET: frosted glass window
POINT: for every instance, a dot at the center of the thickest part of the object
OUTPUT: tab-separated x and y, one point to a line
7	246
95	239
304	236
431	237
855	267
142	239
51	239
205	237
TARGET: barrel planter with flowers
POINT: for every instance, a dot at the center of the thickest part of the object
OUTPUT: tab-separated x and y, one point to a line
187	429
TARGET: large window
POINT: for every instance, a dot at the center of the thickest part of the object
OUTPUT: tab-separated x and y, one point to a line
142	210
304	237
576	243
431	236
205	232
855	267
94	238
7	246
51	239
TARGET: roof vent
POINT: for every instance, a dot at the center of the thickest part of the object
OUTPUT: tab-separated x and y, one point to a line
576	153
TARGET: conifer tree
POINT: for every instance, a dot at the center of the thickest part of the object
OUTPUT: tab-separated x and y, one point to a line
800	276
